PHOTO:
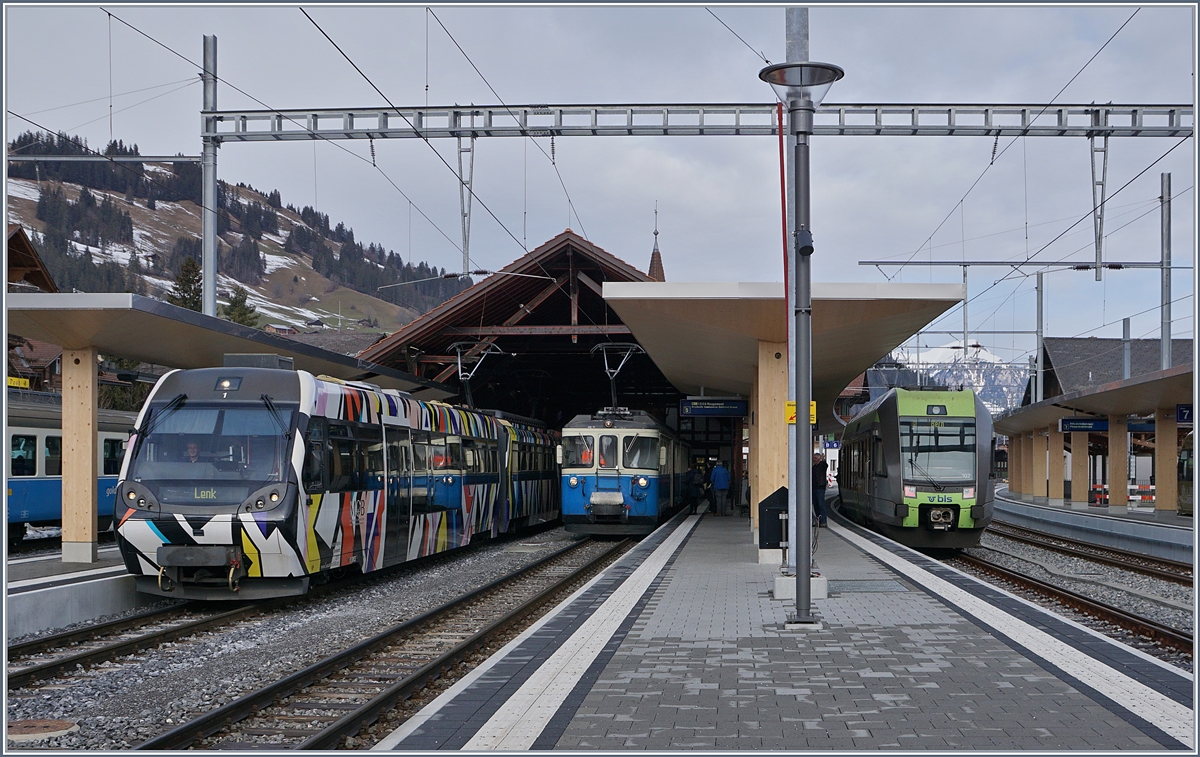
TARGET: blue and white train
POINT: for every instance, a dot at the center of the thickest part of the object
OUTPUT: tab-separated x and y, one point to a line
622	473
34	441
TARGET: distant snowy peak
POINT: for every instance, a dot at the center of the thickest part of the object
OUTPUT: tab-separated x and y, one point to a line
948	353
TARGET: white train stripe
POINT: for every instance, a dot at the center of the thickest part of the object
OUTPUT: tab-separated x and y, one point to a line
528	711
1171	717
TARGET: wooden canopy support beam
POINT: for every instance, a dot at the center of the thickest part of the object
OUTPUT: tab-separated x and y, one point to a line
587	281
498	331
523	310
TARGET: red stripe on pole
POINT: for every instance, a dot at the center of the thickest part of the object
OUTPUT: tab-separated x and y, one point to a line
783	207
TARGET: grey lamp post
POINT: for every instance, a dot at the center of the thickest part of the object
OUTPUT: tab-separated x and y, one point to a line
802	86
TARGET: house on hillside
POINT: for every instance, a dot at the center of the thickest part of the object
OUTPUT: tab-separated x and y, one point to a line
26	271
281	329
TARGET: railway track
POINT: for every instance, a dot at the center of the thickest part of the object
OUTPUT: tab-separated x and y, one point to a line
318	707
1161	634
1167	570
50	656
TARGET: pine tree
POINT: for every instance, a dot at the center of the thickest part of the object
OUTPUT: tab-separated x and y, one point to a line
188	290
240	311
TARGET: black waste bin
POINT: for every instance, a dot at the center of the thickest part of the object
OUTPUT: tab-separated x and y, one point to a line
772	519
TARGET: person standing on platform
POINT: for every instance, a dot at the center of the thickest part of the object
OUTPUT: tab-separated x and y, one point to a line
720	485
820	472
693	487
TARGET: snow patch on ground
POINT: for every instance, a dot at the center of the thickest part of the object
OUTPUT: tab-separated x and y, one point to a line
275	262
26	189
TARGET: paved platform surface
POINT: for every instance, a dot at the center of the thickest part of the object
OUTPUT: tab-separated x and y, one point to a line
1142	512
684	648
48	570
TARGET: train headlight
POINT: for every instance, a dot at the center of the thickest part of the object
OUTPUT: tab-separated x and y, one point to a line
573	481
141	502
274	496
969	492
260	504
910	491
131	494
642	481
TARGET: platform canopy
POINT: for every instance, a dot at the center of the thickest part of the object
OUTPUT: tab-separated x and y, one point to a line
145	329
1140	395
704	336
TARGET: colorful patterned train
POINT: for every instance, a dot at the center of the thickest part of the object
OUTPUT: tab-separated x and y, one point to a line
248	483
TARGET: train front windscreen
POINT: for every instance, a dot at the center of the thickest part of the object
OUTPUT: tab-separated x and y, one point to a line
938	450
214	454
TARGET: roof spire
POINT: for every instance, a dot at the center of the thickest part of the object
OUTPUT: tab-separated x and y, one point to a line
656	267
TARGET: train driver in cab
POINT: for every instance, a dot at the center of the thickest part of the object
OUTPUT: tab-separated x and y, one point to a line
192	455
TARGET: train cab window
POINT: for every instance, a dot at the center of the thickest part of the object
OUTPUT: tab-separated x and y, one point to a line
24	455
579	451
878	462
607	456
420	454
640	452
53	456
471	460
114	450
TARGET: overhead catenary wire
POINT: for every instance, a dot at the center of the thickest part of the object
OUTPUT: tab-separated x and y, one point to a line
424	138
549	157
303	126
744	42
1014	139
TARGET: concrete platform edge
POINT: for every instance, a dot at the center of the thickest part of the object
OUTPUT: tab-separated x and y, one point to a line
60	606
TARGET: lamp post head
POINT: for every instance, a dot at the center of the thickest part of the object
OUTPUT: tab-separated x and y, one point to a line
805	80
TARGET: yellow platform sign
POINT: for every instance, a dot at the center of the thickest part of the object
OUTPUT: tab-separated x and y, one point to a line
790	412
19	383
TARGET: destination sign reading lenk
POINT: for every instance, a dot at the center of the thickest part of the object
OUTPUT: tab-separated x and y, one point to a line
727	408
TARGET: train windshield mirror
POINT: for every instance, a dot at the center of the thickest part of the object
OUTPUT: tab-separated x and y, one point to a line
578	451
938	450
608	451
24	456
640	452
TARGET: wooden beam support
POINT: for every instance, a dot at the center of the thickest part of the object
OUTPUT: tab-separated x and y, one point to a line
1080	477
79	455
499	331
587	281
1166	460
522	311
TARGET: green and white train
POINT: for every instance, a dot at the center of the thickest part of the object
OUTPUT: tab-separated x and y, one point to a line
916	466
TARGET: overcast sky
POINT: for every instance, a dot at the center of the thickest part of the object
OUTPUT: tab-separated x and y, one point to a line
718	197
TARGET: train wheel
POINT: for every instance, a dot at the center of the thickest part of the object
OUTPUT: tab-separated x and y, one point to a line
16	534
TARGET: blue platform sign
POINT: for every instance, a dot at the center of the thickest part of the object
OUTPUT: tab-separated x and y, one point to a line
1183	413
1082	424
714	408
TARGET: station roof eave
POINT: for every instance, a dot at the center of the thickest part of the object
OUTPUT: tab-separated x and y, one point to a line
145	329
1132	396
706	335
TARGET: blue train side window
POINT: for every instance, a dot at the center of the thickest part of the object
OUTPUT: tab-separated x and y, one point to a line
53	456
114	450
24	456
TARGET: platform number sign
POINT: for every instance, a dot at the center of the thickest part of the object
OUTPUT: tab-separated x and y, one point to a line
1183	414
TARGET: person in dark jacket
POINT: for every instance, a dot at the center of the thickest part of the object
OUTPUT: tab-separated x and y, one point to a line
720	485
820	479
693	487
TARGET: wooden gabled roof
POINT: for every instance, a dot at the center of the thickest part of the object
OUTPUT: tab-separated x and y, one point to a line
545	292
24	263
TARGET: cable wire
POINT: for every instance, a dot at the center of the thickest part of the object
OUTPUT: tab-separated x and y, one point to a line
744	42
1014	139
303	126
424	138
553	163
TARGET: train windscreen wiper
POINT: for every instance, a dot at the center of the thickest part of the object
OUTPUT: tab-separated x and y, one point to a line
917	467
275	414
154	419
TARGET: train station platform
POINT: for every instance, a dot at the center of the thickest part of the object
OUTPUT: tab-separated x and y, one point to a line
44	593
680	646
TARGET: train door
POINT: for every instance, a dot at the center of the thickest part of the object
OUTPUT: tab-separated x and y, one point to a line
399	494
608	477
